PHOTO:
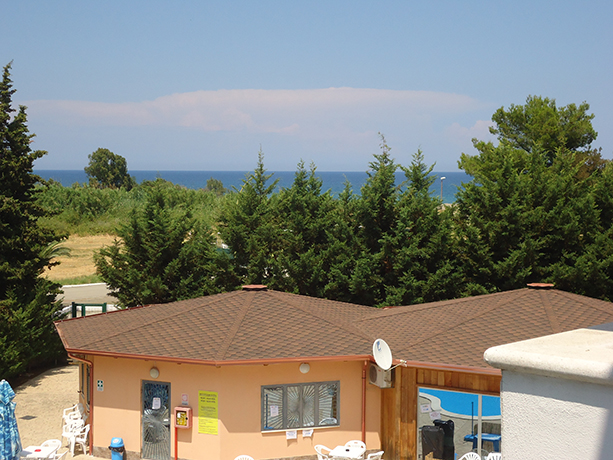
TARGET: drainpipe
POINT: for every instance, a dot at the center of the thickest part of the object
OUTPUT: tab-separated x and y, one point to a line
91	400
364	401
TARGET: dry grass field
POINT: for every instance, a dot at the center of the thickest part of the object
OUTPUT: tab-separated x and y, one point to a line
80	262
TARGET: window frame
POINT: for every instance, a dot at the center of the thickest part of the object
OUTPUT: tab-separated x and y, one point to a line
284	409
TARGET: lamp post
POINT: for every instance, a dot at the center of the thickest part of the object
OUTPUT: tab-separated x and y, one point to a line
442	179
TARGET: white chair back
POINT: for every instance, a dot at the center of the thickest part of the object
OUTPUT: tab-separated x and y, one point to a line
471	456
323	452
55	444
52	443
375	455
494	456
80	438
243	457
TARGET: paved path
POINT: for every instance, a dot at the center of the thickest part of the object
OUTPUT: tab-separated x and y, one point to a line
40	403
92	293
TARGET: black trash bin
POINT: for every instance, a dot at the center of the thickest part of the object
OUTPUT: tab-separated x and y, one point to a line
448	445
117	449
432	441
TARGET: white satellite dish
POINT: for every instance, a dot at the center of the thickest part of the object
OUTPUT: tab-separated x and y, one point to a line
382	354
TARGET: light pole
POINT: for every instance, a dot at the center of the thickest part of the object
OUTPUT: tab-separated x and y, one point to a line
442	179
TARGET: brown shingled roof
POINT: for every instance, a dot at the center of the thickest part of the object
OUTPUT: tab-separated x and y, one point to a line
269	326
248	325
457	332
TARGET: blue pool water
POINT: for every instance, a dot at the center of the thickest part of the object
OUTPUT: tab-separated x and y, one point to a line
463	403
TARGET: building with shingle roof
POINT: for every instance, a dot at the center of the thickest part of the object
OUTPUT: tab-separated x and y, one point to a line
283	372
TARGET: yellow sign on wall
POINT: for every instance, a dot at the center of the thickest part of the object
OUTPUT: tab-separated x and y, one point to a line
207	412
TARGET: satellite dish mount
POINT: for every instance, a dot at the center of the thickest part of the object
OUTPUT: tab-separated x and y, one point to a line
383	355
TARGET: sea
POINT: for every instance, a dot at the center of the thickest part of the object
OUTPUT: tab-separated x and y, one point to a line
332	180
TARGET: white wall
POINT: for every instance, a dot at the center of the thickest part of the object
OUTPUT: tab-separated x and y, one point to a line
557	395
552	418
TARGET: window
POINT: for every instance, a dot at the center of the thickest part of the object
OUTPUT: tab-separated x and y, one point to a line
300	405
85	383
438	407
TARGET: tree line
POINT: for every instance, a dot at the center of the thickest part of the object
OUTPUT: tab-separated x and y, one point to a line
539	208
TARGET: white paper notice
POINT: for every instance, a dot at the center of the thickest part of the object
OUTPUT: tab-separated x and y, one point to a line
307	433
291	434
425	408
434	415
274	411
156	403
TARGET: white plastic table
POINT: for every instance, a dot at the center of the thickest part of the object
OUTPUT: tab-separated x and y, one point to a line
37	452
352	453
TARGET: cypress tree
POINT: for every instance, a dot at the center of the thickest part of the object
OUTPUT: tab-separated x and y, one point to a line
27	300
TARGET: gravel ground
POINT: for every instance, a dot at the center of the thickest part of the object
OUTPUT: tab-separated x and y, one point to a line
40	404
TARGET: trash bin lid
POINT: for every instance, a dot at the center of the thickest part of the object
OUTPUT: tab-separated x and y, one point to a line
117	442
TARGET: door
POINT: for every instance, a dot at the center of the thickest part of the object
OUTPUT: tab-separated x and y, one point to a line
156	420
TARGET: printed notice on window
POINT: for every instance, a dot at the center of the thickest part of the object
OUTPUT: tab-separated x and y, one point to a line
274	411
207	412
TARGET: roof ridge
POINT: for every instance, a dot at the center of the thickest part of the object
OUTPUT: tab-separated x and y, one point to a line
347	325
171	312
580	299
551	315
245	307
487	309
438	304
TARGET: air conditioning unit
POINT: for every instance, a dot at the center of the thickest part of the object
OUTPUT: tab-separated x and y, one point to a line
379	377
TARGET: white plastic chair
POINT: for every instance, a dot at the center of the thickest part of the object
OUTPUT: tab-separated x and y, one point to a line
243	457
71	428
494	456
76	411
375	456
79	438
357	444
471	456
55	444
323	452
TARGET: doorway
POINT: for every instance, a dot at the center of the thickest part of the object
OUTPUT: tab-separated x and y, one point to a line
156	420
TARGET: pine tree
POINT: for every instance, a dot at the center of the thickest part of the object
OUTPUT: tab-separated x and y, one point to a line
249	227
376	213
421	243
27	300
163	255
303	214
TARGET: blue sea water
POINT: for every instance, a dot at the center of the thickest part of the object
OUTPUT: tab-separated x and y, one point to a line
332	180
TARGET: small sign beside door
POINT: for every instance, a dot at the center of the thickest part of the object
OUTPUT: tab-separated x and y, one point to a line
100	385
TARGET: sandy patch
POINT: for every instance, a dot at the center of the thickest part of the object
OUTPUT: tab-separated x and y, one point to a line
80	262
40	405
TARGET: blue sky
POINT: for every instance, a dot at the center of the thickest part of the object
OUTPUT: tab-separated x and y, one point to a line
196	85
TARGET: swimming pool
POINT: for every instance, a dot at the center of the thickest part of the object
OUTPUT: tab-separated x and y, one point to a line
461	404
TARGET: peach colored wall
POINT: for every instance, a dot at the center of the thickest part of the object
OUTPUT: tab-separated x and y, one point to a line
117	408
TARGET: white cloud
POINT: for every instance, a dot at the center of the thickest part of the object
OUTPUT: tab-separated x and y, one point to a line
462	135
287	112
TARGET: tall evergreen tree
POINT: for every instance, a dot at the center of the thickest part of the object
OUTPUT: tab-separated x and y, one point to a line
525	217
376	213
421	243
27	300
344	246
249	227
163	255
303	215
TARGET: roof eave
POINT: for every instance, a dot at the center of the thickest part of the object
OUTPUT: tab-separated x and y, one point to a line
218	363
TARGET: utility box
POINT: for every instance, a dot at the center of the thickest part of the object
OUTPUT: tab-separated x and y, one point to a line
183	417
